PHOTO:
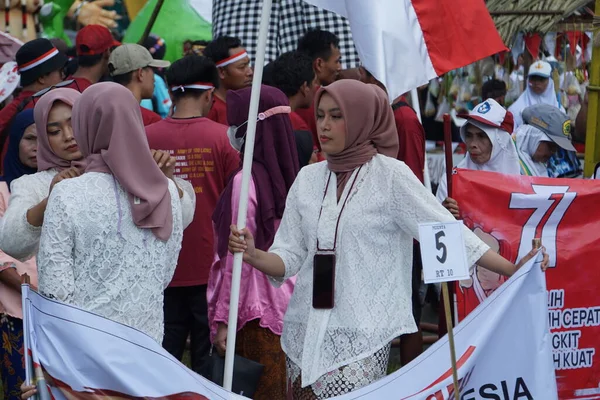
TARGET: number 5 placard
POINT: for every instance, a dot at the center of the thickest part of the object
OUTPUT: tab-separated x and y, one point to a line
443	252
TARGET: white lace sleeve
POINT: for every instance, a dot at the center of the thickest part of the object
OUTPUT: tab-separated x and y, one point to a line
174	242
18	238
55	258
414	204
289	243
188	201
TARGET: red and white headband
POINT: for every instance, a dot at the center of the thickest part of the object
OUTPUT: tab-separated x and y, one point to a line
230	60
40	60
197	85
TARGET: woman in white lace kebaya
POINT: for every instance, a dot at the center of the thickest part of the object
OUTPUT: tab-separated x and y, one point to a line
21	226
111	237
365	206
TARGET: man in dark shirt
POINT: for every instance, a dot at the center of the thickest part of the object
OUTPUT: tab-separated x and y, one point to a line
293	74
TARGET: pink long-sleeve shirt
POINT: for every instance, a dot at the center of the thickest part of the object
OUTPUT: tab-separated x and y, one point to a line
258	298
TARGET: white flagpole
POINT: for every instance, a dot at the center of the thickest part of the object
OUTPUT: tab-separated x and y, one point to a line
26	345
246	174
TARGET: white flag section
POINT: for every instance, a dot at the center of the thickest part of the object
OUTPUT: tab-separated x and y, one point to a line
406	43
86	356
503	352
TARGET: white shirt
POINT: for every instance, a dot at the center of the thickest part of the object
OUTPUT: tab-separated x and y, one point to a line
374	261
20	239
93	256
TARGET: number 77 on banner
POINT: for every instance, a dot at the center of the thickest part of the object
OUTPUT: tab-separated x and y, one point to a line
443	252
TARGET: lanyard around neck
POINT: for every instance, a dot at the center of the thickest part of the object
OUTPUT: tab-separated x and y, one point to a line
337	224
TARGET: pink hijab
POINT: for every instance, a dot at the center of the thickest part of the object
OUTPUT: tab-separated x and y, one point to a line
110	132
370	126
46	158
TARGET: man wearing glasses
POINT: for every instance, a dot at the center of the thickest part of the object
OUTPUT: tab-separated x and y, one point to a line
40	65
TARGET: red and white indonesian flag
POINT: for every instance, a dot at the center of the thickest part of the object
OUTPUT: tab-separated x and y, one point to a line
503	351
406	43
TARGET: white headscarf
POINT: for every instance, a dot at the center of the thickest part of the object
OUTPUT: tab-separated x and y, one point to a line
528	139
529	98
504	158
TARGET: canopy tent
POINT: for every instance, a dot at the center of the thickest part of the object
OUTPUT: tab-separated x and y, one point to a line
540	16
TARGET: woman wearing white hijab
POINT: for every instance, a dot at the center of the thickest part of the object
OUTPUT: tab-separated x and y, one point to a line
540	90
546	129
489	146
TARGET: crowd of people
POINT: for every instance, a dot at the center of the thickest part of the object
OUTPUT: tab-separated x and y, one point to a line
130	213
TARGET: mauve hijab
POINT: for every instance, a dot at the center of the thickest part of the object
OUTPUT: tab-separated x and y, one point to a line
370	126
46	158
274	167
110	132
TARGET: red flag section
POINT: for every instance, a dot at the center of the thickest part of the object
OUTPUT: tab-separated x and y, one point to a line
507	212
457	32
533	41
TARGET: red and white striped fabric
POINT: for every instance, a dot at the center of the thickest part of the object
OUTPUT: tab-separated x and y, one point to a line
406	43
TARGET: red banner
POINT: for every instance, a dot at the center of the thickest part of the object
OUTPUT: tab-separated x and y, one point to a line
508	212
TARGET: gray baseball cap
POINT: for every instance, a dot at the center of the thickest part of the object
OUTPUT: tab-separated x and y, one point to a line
552	121
130	57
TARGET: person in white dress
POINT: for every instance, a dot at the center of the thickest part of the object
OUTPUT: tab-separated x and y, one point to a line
21	226
363	206
539	90
111	237
58	158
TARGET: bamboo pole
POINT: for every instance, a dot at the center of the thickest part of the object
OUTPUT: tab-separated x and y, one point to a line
592	138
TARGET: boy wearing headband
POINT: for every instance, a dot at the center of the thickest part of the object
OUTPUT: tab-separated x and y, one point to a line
204	158
40	65
235	72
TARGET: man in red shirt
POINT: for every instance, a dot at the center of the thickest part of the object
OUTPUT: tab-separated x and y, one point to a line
206	159
131	66
235	72
40	65
323	47
93	45
411	136
293	74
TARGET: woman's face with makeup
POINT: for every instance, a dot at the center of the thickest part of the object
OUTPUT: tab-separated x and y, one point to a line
60	132
331	125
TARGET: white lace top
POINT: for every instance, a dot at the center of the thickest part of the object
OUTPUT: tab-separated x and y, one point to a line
20	240
373	267
93	256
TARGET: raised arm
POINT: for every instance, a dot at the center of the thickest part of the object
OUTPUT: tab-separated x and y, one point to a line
414	205
18	237
288	252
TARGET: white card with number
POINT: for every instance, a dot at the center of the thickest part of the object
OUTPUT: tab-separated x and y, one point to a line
443	252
